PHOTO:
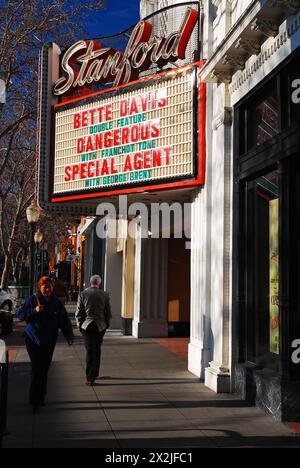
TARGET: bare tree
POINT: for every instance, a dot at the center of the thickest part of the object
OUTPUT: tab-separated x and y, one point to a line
24	28
55	227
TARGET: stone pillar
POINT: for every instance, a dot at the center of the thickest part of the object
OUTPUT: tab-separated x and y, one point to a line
113	279
151	274
128	284
199	347
217	375
200	342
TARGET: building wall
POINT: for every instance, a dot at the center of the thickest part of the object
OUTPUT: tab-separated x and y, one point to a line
241	45
244	41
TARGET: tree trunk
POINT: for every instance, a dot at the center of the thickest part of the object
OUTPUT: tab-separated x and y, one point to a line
8	264
16	266
19	274
6	271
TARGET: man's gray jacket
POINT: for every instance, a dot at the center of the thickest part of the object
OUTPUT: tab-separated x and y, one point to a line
93	306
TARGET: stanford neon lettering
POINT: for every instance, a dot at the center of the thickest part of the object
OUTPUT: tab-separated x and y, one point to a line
86	63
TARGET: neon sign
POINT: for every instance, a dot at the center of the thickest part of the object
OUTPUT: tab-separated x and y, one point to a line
86	63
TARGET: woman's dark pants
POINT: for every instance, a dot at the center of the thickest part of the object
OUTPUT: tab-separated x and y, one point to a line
93	341
41	358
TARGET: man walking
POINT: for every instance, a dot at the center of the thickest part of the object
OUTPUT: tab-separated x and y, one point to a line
93	316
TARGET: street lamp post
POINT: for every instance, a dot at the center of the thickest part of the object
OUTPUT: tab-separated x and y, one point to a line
33	215
2	88
38	237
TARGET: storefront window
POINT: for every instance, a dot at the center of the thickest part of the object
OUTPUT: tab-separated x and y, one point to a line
262	220
295	266
264	120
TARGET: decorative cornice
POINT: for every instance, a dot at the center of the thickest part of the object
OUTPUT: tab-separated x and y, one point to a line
222	76
225	118
279	41
291	6
256	27
237	62
267	27
249	45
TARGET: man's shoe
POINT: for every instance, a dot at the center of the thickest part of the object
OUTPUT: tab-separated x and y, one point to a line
89	383
35	408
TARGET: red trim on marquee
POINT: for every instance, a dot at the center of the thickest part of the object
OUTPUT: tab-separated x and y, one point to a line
195	182
141	80
146	188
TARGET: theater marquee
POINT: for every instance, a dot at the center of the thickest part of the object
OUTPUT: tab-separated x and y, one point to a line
107	129
136	136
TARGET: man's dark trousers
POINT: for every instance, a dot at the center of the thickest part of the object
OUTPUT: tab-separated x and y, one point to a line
93	340
41	358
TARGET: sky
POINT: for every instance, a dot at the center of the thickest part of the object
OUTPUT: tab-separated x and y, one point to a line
117	16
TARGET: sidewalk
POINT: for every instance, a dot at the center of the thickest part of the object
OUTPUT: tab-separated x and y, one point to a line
145	398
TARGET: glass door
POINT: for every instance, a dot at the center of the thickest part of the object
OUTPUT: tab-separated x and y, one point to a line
262	270
294	273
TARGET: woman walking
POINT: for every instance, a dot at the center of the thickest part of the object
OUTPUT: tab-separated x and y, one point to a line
44	315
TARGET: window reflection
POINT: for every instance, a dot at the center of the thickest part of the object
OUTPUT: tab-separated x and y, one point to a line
265	120
263	268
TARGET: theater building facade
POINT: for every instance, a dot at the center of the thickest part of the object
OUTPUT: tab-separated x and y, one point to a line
201	110
252	68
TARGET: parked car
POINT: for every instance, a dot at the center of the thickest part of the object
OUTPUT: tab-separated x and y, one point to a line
6	301
6	317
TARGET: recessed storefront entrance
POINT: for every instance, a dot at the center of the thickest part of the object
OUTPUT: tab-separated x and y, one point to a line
267	247
179	276
262	270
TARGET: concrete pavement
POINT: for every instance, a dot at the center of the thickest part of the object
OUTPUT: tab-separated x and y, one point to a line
145	399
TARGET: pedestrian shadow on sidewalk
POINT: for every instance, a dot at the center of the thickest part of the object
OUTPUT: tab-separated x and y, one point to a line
121	404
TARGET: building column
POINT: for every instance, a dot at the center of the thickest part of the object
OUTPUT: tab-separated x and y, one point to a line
113	277
199	346
128	276
151	273
217	374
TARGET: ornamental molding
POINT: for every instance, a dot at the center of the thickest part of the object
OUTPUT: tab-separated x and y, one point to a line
236	62
291	6
265	55
222	76
248	37
267	27
249	45
225	118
